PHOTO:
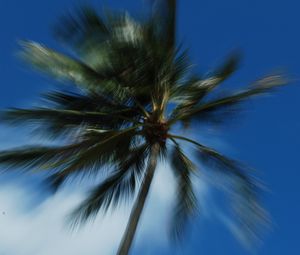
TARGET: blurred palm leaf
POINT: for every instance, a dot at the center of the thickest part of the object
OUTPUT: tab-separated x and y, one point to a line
186	205
119	186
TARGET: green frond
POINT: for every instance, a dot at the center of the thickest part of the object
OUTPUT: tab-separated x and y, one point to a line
186	202
188	95
107	150
228	67
27	157
208	109
78	101
119	186
95	150
40	157
244	190
89	101
109	147
247	211
193	89
60	66
180	68
82	30
144	63
65	118
164	17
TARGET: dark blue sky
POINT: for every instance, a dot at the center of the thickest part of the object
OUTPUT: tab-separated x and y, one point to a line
267	135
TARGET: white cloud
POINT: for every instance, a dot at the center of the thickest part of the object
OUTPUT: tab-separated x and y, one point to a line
42	230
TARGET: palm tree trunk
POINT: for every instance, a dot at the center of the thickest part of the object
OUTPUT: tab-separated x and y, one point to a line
139	203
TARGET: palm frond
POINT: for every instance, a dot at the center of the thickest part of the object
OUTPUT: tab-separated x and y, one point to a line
179	68
95	150
107	150
59	65
40	157
82	30
164	17
205	110
186	202
247	211
144	60
83	102
194	89
109	147
228	67
119	186
65	118
69	69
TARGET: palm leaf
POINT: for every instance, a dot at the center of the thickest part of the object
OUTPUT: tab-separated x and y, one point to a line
228	67
68	69
40	157
247	211
186	205
66	118
108	149
194	89
83	102
164	18
110	146
119	186
211	107
82	30
59	65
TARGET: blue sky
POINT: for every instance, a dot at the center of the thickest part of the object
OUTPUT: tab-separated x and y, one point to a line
266	136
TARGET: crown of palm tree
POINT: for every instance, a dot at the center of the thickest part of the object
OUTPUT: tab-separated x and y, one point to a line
135	91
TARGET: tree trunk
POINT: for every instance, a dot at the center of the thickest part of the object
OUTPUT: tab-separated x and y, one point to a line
139	203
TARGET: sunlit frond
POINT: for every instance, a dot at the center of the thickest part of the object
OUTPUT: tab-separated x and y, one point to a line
61	66
204	110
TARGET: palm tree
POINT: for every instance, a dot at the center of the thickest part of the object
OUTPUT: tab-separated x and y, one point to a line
135	93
